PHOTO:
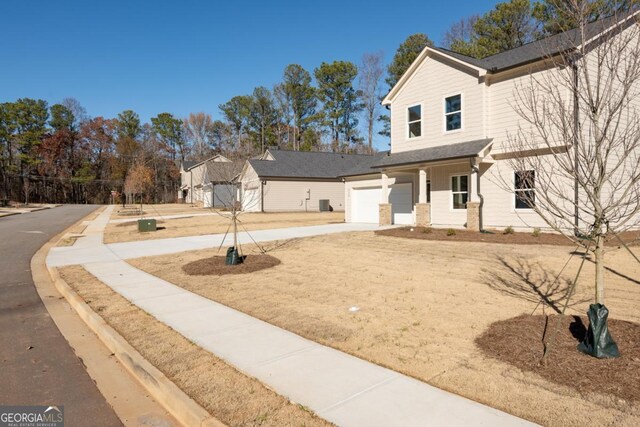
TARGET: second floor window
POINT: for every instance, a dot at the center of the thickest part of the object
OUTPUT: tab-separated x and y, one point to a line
414	117
453	113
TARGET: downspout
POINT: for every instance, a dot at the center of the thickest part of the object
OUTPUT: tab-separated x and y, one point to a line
576	126
262	196
191	189
476	170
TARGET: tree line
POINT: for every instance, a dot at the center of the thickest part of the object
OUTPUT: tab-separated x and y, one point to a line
60	154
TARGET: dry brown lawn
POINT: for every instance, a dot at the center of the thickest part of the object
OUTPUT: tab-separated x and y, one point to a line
156	209
422	306
214	224
230	396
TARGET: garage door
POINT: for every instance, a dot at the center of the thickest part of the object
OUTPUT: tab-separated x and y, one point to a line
365	204
401	203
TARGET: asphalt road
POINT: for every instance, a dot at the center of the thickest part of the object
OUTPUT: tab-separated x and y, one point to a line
38	366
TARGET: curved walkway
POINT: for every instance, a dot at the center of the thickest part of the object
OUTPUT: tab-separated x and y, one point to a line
343	389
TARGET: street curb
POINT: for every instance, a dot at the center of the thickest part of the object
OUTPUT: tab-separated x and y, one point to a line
9	214
184	409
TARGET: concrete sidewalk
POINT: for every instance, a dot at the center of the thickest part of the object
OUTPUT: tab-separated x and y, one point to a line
90	248
343	389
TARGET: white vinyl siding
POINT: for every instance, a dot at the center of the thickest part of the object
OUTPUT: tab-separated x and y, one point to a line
302	196
435	79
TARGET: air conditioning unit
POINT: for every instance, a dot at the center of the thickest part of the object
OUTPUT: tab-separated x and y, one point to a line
324	205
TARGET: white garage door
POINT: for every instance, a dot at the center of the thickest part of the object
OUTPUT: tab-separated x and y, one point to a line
401	203
365	204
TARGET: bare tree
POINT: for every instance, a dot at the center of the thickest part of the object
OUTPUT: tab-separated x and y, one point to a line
460	32
199	131
371	72
577	150
233	197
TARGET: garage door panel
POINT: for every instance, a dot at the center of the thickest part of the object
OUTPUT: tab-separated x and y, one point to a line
401	199
364	204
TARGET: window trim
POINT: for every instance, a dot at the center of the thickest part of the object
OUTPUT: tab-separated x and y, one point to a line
451	192
408	137
444	113
513	199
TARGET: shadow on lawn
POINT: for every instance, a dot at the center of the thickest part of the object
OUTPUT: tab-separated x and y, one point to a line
520	278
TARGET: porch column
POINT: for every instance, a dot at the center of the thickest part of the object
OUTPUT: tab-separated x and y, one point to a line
422	186
385	207
423	209
473	201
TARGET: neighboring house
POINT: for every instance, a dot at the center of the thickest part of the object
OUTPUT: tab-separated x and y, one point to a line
208	183
281	181
451	116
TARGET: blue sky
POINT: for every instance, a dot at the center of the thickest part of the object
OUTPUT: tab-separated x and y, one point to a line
190	56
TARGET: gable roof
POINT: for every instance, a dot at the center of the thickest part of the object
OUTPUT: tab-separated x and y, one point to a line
528	53
306	164
187	165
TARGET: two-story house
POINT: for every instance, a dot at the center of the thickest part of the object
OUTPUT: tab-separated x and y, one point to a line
451	117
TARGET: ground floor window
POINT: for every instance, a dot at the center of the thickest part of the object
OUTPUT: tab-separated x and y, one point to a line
524	189
428	191
459	191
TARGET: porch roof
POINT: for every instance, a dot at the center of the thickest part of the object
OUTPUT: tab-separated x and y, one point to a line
444	152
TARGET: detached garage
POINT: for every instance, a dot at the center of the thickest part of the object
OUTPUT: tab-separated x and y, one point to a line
296	181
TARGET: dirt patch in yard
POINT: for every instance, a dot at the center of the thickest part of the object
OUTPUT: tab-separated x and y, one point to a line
229	395
515	341
495	236
216	265
422	304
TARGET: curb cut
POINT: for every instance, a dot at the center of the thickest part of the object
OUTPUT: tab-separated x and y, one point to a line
184	409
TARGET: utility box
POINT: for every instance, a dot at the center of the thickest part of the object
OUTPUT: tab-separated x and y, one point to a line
145	225
324	205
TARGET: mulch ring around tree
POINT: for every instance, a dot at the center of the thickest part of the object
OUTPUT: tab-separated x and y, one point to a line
496	236
518	341
215	266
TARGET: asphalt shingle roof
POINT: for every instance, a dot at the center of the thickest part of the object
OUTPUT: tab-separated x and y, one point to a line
365	167
443	152
543	48
188	164
305	164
